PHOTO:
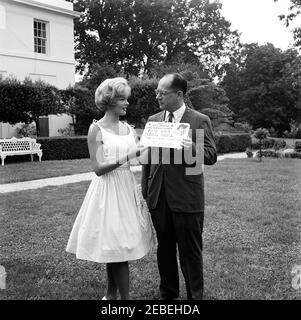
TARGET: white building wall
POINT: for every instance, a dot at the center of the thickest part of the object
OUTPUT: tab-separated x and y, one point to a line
17	56
7	131
57	122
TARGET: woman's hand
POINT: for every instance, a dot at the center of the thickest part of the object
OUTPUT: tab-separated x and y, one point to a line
137	151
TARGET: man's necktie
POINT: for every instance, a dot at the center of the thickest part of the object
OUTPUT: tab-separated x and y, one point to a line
170	117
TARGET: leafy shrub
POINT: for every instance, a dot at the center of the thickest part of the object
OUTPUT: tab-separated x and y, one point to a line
249	153
261	133
266	143
295	130
298	133
27	130
279	144
68	131
298	146
273	132
270	153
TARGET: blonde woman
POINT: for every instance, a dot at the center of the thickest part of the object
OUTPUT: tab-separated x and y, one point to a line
112	226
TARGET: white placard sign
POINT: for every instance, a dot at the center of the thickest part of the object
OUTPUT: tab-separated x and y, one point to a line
164	134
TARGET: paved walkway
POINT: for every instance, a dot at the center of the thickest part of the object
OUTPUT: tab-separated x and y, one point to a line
56	181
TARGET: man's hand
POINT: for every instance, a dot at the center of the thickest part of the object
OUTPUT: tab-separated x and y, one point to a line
186	143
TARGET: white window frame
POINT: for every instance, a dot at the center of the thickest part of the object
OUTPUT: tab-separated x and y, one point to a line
41	36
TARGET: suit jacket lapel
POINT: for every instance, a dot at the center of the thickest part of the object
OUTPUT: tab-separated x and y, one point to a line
186	116
161	116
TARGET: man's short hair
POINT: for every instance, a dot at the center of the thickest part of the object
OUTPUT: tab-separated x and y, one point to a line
178	83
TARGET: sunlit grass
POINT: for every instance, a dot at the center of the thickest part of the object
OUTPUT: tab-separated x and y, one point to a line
24	171
252	238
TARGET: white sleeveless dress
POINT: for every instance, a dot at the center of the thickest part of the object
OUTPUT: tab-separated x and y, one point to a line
113	223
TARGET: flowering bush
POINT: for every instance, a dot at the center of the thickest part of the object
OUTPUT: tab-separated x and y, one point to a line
27	130
249	153
279	144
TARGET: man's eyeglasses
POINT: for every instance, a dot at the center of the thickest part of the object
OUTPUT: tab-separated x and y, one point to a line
162	92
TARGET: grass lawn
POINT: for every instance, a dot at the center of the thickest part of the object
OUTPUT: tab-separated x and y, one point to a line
24	171
252	238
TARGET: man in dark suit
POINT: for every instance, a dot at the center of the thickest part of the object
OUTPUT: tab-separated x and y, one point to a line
175	196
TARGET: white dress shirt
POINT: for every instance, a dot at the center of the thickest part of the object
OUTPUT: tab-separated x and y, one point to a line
177	115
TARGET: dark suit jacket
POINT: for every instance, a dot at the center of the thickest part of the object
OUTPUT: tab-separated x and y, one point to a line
184	193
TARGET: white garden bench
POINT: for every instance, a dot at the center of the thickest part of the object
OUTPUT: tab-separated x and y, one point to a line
14	146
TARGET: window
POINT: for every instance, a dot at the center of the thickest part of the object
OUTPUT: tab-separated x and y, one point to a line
40	37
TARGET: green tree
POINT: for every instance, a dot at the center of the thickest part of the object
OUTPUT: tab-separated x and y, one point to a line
79	104
97	74
295	10
26	101
264	89
211	100
43	99
190	70
113	31
142	102
12	107
135	35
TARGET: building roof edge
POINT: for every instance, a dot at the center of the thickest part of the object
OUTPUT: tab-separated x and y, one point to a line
74	14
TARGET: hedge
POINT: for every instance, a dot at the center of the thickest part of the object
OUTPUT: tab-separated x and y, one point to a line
293	155
63	148
278	154
234	142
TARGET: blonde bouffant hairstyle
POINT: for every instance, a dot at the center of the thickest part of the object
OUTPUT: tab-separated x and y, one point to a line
109	90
